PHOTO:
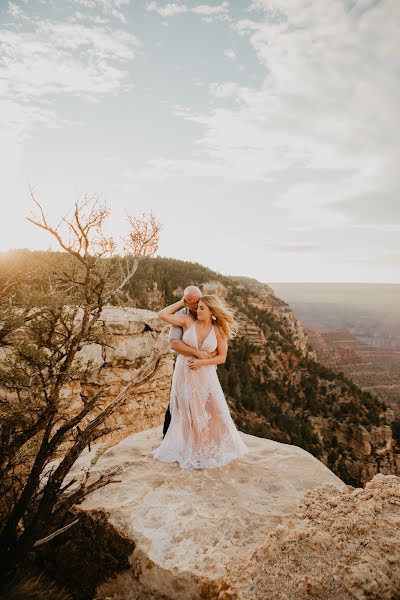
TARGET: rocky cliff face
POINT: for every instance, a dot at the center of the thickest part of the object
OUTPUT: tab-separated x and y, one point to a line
133	335
368	450
262	297
354	442
244	531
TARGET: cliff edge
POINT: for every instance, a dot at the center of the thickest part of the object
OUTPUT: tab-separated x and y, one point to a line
190	529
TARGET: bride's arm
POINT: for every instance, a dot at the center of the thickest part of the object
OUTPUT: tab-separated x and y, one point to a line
219	359
167	314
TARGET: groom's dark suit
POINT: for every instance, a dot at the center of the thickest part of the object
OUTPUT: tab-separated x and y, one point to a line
175	333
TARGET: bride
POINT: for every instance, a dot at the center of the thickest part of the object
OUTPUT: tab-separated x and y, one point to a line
202	433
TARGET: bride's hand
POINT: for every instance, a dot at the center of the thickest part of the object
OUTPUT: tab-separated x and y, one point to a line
194	363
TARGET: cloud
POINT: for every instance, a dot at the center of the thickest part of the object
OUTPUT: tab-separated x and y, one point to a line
292	247
209	12
230	54
327	108
15	11
51	59
64	58
79	16
230	89
170	9
376	202
107	7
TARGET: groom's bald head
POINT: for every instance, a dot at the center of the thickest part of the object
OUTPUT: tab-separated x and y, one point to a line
192	295
192	292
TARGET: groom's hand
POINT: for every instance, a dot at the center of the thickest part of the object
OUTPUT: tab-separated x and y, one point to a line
203	354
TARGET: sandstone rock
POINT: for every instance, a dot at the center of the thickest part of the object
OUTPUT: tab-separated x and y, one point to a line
5	352
133	335
249	331
189	527
124	348
367	447
128	320
342	543
92	353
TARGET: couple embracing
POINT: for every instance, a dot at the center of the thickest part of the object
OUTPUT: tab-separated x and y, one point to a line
199	430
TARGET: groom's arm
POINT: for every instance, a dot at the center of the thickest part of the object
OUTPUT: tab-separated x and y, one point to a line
186	350
175	339
182	348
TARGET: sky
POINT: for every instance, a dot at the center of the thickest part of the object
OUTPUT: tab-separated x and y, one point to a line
263	134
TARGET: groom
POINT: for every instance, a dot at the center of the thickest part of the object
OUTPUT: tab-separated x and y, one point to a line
192	295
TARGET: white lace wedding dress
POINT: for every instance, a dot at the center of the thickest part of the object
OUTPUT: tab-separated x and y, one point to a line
202	433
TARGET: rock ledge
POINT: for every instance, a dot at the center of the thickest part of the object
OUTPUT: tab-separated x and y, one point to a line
190	528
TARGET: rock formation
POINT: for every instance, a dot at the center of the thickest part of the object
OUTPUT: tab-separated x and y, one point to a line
261	526
365	447
261	296
133	335
274	524
342	543
275	388
191	527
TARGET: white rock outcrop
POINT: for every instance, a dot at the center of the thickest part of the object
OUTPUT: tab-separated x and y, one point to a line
192	527
134	333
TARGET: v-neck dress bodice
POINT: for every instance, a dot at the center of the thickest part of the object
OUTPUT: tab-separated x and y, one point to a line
209	343
202	433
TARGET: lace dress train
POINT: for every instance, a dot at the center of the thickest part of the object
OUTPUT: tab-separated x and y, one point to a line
202	433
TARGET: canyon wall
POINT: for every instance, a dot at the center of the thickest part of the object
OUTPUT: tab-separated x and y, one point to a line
134	333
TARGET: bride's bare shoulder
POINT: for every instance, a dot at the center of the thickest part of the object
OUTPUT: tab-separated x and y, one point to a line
218	332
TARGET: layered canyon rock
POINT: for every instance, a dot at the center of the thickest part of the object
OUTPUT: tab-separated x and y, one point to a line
215	534
134	333
353	440
374	368
261	296
366	448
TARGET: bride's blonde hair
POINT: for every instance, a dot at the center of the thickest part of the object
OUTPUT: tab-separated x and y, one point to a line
224	316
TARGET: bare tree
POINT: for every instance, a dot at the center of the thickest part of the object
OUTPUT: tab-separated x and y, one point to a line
42	341
141	241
